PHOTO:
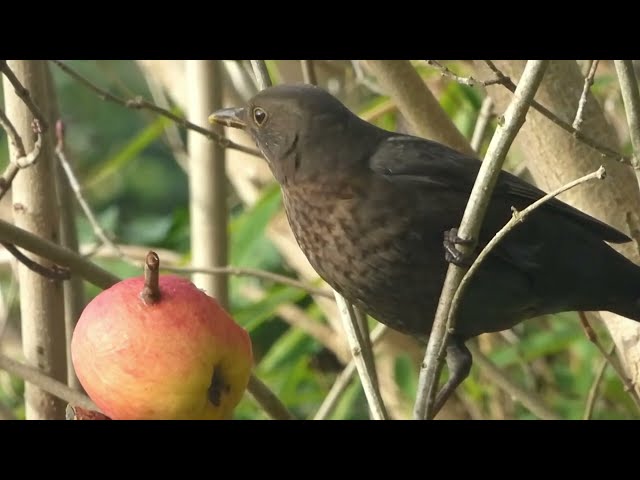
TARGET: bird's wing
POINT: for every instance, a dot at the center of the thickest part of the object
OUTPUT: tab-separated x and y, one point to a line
405	158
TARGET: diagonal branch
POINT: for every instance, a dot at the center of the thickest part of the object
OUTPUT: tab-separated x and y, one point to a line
470	228
139	103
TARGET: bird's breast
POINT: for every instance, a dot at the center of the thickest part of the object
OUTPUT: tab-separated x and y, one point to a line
358	242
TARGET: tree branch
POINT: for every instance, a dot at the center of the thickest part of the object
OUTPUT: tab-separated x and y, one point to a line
253	272
605	151
631	100
516	219
417	103
344	379
470	227
46	383
588	82
139	103
595	386
22	93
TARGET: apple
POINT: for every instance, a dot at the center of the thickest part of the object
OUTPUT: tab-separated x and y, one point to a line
163	350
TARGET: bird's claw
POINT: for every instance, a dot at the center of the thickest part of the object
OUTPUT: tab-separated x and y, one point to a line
451	252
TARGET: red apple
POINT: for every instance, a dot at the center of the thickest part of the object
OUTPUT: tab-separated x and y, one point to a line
182	357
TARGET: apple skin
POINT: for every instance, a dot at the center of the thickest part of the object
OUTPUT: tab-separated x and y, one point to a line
139	361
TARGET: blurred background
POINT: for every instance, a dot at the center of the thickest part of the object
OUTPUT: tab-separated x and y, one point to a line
131	167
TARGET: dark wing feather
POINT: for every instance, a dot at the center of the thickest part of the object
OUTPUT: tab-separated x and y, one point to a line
414	159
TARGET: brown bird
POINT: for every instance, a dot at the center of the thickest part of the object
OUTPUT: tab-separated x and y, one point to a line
375	213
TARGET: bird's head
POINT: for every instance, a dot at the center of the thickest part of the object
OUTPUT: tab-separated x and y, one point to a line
302	131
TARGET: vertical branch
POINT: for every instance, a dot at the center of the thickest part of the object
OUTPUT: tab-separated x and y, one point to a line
470	227
34	207
74	297
631	99
207	179
262	73
308	72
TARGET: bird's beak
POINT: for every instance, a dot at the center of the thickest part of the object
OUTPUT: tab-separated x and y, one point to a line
229	117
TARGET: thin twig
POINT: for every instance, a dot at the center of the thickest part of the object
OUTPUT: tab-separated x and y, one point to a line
516	219
46	383
269	402
369	385
631	100
77	190
344	379
528	399
469	229
469	81
595	386
588	82
253	272
480	129
308	72
593	338
52	273
261	73
604	151
23	159
24	95
139	103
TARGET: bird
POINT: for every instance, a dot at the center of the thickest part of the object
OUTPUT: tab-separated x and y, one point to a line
376	214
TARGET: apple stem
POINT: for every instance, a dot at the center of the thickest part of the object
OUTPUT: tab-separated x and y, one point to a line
151	291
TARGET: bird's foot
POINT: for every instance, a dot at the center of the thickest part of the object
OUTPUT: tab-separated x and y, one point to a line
451	252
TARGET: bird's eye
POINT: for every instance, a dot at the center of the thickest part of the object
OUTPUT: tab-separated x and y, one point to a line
259	116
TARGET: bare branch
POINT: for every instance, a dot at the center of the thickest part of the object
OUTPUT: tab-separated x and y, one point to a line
344	379
24	95
139	103
269	402
208	213
595	386
253	272
416	102
516	219
588	82
366	372
22	159
262	73
631	100
604	151
46	383
469	229
53	273
77	190
593	338
308	72
469	81
480	130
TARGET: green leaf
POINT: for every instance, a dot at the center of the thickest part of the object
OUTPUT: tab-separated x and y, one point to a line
247	229
294	343
255	314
